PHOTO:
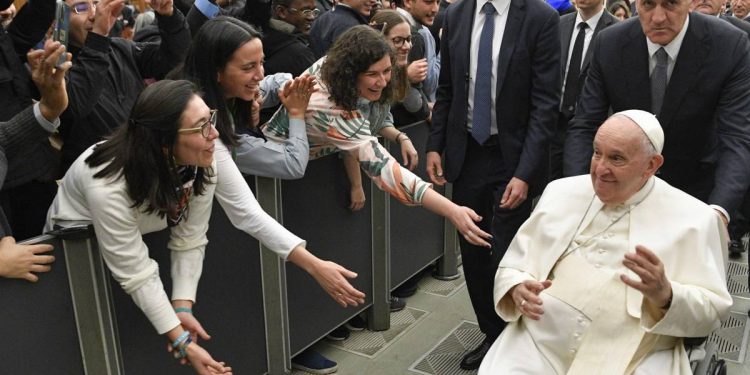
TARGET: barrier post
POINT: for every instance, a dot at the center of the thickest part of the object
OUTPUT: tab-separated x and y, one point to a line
92	302
379	316
447	265
273	275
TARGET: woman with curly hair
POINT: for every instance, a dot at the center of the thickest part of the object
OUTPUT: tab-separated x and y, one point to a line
352	102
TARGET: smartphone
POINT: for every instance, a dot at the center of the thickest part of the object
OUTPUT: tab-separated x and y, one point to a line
62	24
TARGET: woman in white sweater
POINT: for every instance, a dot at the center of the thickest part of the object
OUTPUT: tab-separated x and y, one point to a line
159	171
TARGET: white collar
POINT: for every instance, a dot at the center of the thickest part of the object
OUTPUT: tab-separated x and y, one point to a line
501	6
592	22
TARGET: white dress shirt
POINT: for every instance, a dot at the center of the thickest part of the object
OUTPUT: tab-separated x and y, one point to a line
592	22
672	49
501	6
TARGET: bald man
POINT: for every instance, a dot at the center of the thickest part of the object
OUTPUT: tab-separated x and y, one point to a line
612	269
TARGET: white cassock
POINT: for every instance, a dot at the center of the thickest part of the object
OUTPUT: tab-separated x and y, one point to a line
593	323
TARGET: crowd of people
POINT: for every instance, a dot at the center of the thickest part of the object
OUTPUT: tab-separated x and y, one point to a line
154	109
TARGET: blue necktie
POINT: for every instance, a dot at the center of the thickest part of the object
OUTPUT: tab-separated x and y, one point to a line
481	119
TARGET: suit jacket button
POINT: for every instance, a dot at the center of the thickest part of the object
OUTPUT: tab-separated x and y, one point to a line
571	108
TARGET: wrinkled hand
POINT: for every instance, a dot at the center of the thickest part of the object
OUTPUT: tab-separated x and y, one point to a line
107	12
356	198
654	283
463	219
296	94
526	297
50	80
515	193
435	168
409	154
417	71
333	279
163	7
19	261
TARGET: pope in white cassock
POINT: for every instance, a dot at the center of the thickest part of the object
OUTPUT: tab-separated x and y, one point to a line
612	269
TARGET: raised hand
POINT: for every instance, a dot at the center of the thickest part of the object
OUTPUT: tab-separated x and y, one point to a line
163	7
107	12
50	80
654	283
333	279
296	94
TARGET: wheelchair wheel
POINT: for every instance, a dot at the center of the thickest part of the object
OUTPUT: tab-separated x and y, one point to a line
717	366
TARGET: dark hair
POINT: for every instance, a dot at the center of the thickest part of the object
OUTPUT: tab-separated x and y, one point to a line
617	5
353	53
385	20
209	53
257	13
136	149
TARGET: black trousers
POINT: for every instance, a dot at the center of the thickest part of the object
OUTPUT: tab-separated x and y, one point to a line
556	146
480	186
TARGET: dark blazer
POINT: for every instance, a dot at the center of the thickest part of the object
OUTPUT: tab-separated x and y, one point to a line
738	23
527	88
705	114
567	28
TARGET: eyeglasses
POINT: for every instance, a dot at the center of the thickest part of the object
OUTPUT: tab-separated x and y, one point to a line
204	129
398	41
306	12
84	7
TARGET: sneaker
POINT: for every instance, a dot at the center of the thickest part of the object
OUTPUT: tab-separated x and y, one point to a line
338	334
356	324
314	363
397	304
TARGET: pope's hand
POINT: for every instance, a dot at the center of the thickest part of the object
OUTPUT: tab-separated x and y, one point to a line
654	284
526	297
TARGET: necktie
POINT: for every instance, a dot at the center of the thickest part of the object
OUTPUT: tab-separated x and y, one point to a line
574	69
481	119
659	81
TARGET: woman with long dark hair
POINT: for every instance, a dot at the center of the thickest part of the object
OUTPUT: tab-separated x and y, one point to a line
159	171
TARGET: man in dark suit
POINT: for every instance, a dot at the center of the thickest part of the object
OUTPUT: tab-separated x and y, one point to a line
740	223
715	8
577	30
702	98
496	109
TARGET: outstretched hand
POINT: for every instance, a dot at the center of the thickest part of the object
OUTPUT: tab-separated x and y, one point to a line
526	297
296	94
333	279
464	218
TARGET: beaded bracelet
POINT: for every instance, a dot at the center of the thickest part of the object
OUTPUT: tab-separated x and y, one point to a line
183	347
183	309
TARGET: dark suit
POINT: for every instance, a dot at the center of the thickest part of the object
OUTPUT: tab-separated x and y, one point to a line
567	29
738	23
527	99
705	113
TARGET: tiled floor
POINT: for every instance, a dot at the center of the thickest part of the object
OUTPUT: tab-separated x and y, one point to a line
431	340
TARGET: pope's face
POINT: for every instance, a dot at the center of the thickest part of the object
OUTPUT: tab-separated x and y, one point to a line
620	165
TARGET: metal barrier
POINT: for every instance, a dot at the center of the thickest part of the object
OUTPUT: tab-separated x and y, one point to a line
69	320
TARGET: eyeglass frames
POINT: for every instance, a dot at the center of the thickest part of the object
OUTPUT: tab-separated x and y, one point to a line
204	129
